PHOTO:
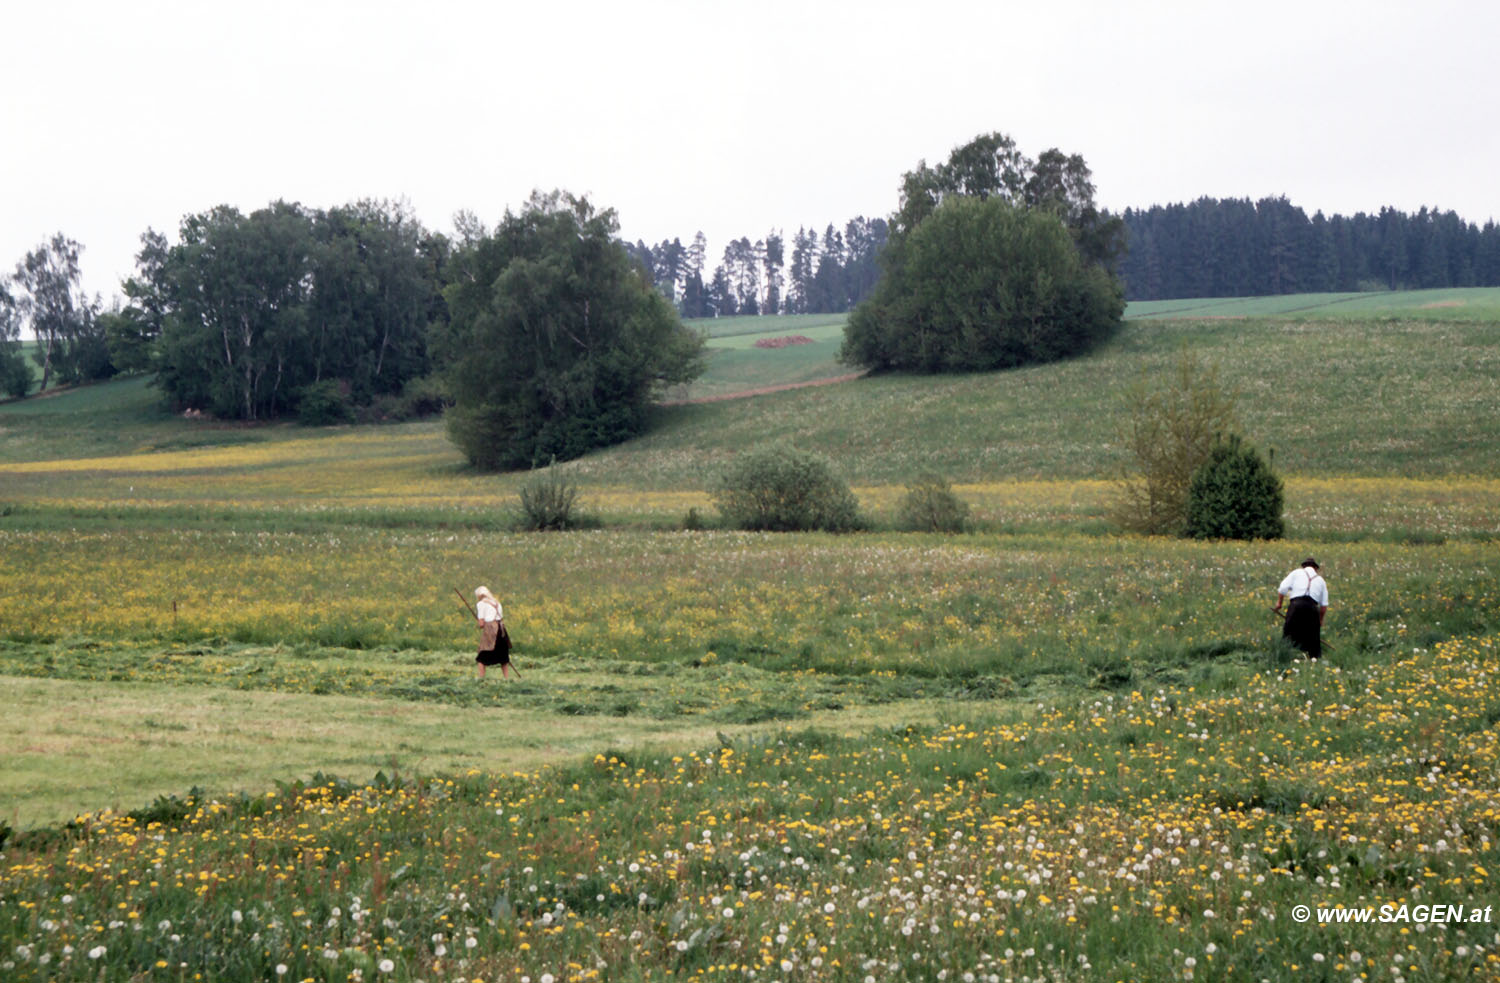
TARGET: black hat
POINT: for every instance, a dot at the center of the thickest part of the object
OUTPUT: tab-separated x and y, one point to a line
1310	562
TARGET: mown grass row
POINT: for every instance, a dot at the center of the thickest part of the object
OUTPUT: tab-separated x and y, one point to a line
1024	606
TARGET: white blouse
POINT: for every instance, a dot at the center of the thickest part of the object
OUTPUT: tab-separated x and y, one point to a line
488	611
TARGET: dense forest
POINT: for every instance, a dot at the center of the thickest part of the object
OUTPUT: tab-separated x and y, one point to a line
1238	248
1211	247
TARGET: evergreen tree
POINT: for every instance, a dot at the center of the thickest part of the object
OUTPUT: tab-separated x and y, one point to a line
773	260
800	272
1234	495
694	293
721	302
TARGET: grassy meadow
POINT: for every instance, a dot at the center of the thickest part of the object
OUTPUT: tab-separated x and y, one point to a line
243	738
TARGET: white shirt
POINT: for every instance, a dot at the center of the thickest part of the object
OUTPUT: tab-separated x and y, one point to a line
488	611
1305	582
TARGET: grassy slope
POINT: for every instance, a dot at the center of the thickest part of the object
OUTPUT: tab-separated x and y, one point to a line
1351	397
1333	397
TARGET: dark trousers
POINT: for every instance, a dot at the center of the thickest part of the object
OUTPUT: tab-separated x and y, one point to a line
1302	628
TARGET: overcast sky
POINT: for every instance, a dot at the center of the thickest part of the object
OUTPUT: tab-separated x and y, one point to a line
729	118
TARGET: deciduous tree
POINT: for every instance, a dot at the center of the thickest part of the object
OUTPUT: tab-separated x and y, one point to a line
48	295
993	261
1169	428
983	285
557	342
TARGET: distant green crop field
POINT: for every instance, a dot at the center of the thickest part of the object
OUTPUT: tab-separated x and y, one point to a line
832	331
728	327
1465	304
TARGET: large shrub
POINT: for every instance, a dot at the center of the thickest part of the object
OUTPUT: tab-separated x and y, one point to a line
15	374
1234	495
981	285
782	489
325	403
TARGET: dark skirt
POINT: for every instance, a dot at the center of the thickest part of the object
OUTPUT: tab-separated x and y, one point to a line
500	654
1302	627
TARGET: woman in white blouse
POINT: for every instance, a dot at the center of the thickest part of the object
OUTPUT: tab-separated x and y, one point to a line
494	641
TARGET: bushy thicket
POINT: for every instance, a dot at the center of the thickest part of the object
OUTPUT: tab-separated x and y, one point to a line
247	312
1234	495
557	344
982	285
423	396
1169	428
15	374
930	505
782	489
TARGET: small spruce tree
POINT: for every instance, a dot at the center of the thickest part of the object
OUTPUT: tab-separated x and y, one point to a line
1234	495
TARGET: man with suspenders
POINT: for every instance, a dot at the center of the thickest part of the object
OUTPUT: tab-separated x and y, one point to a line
1308	592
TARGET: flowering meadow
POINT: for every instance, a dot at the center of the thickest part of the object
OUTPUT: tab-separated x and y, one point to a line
1140	834
1133	781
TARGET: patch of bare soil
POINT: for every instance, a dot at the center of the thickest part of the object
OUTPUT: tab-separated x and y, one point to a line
786	341
763	390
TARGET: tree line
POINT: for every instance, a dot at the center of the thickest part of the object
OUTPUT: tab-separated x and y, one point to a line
320	311
246	316
813	274
1234	247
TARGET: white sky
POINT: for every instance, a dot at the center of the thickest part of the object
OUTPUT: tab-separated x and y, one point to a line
732	118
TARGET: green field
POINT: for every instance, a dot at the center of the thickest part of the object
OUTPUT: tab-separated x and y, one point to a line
1458	303
244	740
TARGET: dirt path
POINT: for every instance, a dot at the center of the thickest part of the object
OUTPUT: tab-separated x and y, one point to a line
744	393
